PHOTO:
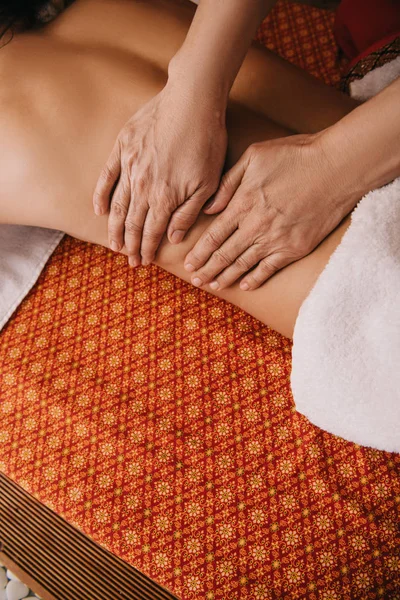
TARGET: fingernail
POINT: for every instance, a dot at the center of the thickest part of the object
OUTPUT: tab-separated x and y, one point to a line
244	286
114	246
189	267
214	285
209	204
177	236
133	261
145	262
197	282
98	210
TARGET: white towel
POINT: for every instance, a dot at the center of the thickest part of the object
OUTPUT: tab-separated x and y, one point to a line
23	254
346	344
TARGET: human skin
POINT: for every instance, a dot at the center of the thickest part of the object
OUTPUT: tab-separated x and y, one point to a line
280	200
68	89
168	158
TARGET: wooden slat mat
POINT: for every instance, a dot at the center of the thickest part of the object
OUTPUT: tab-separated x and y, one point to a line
63	561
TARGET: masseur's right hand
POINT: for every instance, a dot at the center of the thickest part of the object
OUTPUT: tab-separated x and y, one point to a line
168	156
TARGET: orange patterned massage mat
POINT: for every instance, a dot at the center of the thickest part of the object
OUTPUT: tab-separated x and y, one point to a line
158	420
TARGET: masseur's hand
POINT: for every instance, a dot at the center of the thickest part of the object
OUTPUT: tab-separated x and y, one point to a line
279	201
168	156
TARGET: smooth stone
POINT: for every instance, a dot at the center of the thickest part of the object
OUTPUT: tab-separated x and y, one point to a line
16	590
3	579
11	575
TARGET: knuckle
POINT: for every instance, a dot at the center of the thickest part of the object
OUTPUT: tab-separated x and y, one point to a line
126	135
211	239
222	257
167	205
151	235
118	209
299	248
131	227
141	183
246	204
242	263
268	265
181	219
255	148
162	205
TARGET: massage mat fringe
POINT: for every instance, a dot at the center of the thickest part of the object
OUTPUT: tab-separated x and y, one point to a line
60	558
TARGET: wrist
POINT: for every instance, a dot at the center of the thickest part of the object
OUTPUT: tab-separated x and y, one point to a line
365	143
347	161
203	101
192	75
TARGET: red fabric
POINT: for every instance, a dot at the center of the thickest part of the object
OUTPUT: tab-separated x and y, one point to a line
360	24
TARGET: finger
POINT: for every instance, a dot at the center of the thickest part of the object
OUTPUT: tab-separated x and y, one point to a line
243	263
133	230
267	267
154	228
211	239
106	182
184	216
118	212
227	187
222	258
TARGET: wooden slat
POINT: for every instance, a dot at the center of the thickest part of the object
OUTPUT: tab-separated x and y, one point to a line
59	562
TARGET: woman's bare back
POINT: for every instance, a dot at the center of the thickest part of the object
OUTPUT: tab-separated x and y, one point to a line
70	87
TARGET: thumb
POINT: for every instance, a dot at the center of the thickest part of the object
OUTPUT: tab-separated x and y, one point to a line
184	217
227	187
107	180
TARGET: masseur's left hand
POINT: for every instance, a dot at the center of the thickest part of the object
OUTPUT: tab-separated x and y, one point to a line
279	201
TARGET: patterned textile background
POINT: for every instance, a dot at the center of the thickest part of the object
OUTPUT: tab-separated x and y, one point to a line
159	420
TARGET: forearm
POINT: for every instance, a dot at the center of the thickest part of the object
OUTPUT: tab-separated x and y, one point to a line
215	46
365	144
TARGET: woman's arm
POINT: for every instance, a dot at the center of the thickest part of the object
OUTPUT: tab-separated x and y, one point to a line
365	144
215	46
